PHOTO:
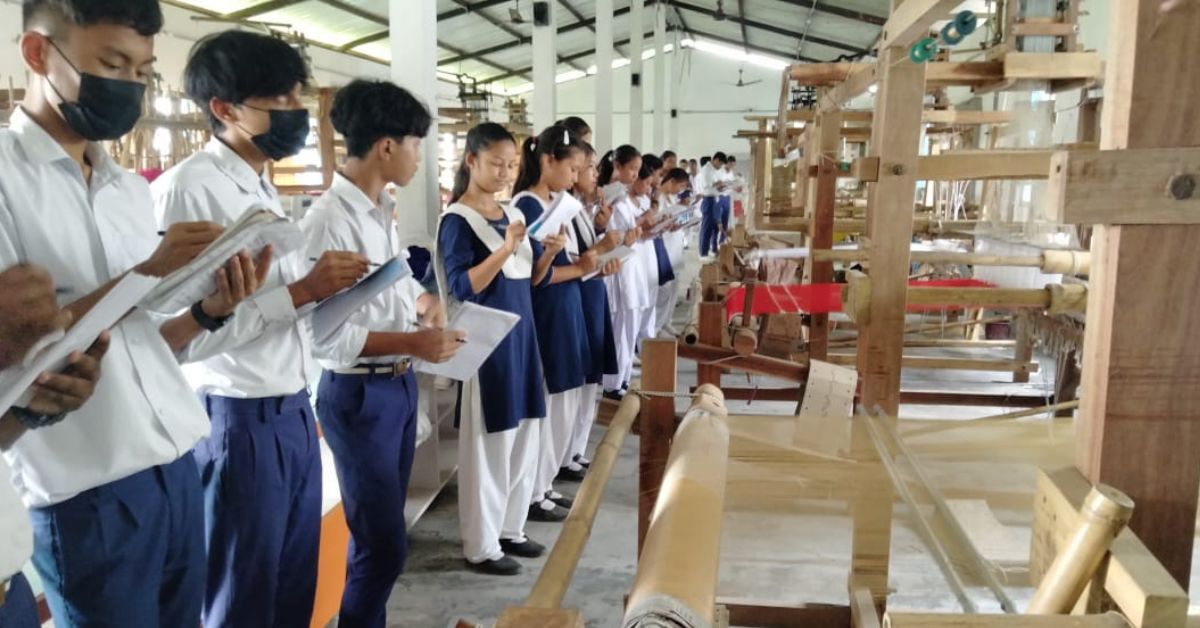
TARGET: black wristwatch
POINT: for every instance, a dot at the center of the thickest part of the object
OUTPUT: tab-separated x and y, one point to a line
35	420
207	322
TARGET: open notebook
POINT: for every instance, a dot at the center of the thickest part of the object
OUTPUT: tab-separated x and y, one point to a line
485	329
333	312
256	228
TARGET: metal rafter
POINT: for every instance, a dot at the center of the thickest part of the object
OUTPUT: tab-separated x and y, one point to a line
771	28
745	35
358	12
585	23
468	9
366	39
756	48
571	57
824	7
259	9
589	24
510	30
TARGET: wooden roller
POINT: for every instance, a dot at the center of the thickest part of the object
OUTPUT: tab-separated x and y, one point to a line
745	341
1105	513
1049	261
1054	298
677	571
955	620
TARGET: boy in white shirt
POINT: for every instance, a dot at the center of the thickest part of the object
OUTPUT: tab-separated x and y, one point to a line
367	400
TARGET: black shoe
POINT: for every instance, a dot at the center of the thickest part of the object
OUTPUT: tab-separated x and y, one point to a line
537	513
527	549
583	462
567	474
562	501
614	395
503	566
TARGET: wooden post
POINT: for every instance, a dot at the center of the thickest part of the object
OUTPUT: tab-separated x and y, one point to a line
1066	380
712	325
657	422
895	138
1024	348
762	166
822	195
1140	412
325	137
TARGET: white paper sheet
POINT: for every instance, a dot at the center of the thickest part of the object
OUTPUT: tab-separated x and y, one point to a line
562	211
333	312
485	329
15	381
613	192
257	228
621	253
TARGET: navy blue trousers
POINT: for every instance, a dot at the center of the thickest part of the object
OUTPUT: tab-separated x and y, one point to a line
710	228
726	206
19	609
261	470
128	553
370	424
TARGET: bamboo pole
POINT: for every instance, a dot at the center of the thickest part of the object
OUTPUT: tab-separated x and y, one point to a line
555	577
955	620
678	569
1105	513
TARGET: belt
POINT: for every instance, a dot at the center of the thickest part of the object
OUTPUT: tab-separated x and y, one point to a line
396	370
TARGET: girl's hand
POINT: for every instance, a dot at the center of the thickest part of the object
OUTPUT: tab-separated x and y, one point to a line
611	268
604	215
632	236
555	243
513	236
587	262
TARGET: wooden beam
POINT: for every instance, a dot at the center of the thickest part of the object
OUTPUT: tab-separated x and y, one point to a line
748	613
1125	187
863	613
1057	65
729	359
950	364
823	197
985	164
1140	415
540	618
1137	583
656	425
955	620
913	20
931	116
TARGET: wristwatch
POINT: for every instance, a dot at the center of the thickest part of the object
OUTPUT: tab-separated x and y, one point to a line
205	321
35	420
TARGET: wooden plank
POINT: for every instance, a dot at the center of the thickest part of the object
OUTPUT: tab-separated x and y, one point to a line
985	164
752	614
855	84
863	613
1053	65
818	74
823	196
657	423
1125	187
948	620
1137	583
1044	29
950	364
913	20
1140	414
932	116
712	330
729	359
1023	352
513	617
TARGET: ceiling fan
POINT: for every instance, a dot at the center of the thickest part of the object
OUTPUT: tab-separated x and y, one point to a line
720	15
514	13
742	82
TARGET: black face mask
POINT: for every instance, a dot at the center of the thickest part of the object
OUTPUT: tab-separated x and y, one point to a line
288	133
106	108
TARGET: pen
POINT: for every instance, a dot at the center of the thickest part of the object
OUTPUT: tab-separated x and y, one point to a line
422	326
373	264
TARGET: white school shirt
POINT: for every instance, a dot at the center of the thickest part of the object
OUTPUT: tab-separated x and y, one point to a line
629	289
16	533
142	413
345	219
707	180
265	350
726	177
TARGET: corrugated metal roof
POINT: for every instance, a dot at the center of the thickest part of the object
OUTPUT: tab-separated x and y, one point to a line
468	27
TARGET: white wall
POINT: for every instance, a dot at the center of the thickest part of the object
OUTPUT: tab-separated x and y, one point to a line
711	109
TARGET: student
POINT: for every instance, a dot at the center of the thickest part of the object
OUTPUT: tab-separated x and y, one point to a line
694	173
28	311
629	290
120	468
710	207
726	196
577	126
586	230
485	257
550	164
261	467
673	183
662	272
670	160
367	400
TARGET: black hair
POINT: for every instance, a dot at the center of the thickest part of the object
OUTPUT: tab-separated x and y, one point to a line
575	124
669	154
623	155
365	112
646	171
588	149
235	65
719	156
556	141
653	161
676	174
479	139
704	161
143	16
731	160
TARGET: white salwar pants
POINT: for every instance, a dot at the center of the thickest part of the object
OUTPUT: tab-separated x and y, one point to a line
556	431
495	479
626	323
588	405
664	309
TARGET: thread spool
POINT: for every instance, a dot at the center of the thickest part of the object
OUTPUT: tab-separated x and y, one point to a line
924	50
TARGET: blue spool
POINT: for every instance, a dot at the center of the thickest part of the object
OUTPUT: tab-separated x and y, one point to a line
924	50
965	23
950	34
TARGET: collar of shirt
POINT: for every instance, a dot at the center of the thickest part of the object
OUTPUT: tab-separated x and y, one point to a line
236	168
40	148
356	199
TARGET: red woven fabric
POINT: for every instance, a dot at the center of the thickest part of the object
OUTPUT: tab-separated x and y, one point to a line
819	298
